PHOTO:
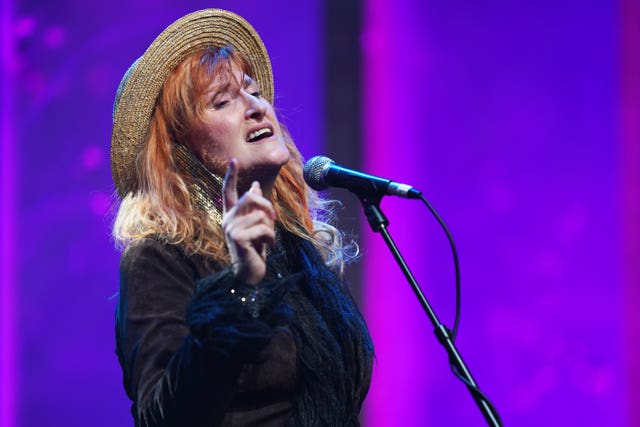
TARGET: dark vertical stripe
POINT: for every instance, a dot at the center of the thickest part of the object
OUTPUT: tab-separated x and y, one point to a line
343	108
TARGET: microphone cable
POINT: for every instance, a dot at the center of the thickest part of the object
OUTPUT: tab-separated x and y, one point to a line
475	390
456	264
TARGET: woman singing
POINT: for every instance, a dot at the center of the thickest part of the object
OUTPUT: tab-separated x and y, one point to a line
231	309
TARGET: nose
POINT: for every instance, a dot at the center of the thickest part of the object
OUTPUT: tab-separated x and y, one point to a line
256	107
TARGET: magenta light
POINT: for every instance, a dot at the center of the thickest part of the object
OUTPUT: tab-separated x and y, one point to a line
7	225
630	177
398	325
508	118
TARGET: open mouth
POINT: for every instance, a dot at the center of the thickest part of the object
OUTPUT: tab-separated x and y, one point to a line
259	134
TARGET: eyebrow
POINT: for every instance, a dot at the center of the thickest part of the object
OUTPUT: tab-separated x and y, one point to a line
248	81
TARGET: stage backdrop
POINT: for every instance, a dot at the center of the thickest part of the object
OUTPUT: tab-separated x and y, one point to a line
59	366
518	121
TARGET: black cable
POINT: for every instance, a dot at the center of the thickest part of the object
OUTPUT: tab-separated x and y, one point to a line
472	387
456	263
378	223
476	391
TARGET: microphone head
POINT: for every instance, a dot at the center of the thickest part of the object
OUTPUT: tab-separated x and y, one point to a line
315	172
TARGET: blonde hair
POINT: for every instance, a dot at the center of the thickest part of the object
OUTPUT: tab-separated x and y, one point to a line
162	206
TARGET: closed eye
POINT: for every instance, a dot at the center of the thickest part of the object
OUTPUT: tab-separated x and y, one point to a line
218	104
252	87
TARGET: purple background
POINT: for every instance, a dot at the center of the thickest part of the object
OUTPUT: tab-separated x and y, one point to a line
516	121
70	58
508	116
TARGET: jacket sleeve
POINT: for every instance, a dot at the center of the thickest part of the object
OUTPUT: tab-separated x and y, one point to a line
181	346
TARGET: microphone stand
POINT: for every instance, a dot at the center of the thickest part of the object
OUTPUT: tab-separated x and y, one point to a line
379	222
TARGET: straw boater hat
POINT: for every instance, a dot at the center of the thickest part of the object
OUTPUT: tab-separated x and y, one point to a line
141	85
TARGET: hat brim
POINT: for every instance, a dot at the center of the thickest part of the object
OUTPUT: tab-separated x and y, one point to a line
137	101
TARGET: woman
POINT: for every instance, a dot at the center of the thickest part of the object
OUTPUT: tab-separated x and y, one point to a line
231	309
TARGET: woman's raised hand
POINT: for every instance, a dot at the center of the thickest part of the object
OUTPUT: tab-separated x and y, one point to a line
249	226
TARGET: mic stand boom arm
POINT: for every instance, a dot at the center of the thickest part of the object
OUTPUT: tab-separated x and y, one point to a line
379	222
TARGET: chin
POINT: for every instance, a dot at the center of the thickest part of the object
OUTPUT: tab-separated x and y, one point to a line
281	156
277	164
270	164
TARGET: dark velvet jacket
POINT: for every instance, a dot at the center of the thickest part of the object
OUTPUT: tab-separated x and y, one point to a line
297	353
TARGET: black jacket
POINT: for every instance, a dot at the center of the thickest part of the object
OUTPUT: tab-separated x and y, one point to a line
195	353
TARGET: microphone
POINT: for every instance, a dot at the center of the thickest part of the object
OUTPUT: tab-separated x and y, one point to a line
321	172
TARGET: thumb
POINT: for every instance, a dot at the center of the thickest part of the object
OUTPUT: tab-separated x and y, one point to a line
255	188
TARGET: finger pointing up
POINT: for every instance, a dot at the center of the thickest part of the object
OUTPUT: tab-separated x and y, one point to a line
230	186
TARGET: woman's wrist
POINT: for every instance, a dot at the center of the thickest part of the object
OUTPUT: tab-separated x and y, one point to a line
247	274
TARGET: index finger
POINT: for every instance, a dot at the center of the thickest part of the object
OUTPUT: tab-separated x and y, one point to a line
230	186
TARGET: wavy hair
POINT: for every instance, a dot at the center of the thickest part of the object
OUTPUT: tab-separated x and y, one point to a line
163	205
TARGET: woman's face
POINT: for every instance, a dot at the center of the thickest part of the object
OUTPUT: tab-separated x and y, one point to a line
238	122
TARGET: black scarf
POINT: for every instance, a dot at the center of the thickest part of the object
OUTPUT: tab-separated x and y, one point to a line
335	351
